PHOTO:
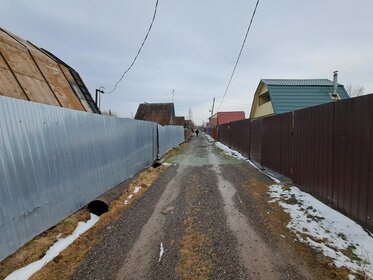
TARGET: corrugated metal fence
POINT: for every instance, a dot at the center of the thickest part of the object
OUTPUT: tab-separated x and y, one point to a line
326	149
53	161
170	136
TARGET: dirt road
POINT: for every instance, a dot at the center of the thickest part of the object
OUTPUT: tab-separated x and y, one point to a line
200	220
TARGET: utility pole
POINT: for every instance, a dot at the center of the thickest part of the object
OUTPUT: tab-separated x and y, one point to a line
212	109
99	91
190	114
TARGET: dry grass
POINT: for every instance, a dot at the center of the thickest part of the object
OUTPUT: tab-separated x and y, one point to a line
63	266
36	248
195	262
176	151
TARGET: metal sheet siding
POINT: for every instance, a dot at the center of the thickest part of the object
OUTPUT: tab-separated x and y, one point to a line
277	143
298	82
227	117
53	161
287	140
240	136
170	136
313	148
292	98
223	134
353	151
326	149
272	143
256	140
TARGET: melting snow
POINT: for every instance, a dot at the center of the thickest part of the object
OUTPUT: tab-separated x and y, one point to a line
238	155
126	202
137	189
229	151
325	229
161	252
320	226
27	271
209	138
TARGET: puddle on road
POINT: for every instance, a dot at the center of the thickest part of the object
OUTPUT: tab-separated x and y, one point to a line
255	254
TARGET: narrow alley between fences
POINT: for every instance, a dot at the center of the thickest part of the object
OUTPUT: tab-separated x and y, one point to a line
206	217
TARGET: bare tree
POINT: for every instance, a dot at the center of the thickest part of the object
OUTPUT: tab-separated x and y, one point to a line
354	91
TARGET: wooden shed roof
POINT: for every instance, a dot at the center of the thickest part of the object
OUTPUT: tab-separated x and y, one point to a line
161	113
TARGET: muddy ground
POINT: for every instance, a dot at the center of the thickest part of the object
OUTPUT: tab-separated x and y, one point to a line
206	217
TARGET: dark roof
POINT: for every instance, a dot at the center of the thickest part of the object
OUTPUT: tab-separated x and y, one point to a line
291	95
161	113
179	121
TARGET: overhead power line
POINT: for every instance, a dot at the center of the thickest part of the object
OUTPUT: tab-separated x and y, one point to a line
138	52
239	55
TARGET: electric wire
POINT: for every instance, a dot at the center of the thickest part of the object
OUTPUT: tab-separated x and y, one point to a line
138	52
239	55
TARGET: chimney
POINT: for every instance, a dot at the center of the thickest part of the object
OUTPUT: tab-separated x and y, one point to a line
334	94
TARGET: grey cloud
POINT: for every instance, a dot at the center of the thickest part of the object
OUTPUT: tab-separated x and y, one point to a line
193	46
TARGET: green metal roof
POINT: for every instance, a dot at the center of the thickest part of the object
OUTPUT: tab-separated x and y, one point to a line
291	95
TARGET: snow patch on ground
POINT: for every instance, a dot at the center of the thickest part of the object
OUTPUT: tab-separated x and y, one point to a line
210	138
27	271
161	252
137	189
325	229
265	173
320	226
166	164
238	155
229	151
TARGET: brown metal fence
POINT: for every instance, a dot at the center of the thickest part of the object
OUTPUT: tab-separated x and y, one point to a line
240	140
353	157
213	132
327	150
236	135
313	149
256	140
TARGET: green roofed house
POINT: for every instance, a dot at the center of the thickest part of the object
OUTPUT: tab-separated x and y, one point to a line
276	96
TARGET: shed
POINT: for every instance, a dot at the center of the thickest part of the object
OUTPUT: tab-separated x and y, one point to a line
276	96
161	113
179	120
225	117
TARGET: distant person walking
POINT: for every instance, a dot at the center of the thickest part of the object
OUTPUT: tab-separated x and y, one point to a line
197	131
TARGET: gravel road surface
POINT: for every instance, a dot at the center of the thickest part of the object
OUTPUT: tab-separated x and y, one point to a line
197	221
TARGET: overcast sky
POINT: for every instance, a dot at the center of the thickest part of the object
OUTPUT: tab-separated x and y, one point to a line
194	44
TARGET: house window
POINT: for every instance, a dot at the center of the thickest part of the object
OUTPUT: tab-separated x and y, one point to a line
264	98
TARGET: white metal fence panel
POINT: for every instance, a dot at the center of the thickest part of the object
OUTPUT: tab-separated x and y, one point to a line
53	161
169	136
